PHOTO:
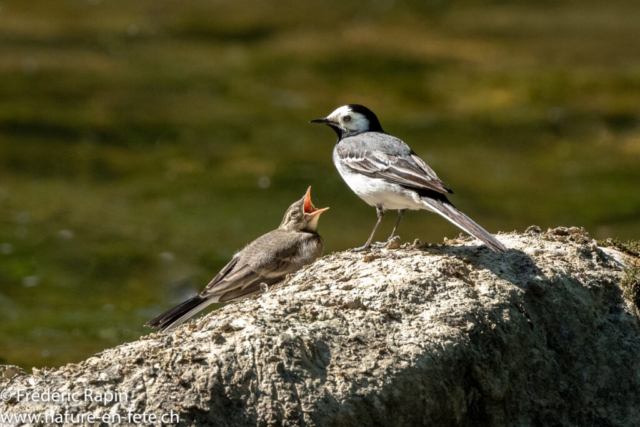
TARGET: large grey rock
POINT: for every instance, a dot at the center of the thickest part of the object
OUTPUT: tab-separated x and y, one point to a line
451	335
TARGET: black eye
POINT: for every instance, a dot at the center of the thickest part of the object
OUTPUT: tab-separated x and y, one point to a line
347	119
295	214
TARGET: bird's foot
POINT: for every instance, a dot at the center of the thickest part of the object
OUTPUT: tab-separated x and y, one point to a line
264	287
391	243
365	248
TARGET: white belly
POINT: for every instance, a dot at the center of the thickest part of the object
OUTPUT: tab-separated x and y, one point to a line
377	192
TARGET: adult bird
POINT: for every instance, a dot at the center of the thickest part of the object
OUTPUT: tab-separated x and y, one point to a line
387	174
265	261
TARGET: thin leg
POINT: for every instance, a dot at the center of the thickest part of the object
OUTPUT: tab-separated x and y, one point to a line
380	213
393	233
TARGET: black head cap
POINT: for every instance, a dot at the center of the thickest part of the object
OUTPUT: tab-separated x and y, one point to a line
374	123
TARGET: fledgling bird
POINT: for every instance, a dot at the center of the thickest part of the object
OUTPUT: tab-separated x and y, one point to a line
265	261
387	174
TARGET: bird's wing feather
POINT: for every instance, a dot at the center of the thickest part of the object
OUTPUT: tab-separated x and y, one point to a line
430	173
282	256
223	273
267	259
409	171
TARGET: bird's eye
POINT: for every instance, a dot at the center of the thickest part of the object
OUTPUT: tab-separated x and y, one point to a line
347	119
295	214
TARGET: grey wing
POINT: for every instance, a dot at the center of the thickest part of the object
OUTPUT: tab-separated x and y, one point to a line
235	274
291	252
239	281
407	170
222	274
254	265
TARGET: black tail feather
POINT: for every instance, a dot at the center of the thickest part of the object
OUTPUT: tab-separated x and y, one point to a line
170	317
452	214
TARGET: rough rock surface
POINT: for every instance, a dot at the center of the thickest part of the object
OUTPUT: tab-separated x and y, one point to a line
448	335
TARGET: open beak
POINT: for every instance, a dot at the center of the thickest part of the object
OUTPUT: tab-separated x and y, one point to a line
308	208
323	121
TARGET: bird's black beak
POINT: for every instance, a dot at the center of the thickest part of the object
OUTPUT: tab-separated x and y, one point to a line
333	125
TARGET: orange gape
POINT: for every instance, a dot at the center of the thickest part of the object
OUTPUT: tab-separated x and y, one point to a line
308	206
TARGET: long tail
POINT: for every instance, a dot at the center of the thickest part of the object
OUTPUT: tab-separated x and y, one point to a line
180	313
453	215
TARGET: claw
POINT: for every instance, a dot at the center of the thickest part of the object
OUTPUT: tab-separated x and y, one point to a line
389	244
393	242
364	248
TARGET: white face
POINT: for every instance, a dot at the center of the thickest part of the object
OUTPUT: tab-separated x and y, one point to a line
349	120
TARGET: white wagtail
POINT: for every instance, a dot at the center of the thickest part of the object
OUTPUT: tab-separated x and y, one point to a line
263	262
387	174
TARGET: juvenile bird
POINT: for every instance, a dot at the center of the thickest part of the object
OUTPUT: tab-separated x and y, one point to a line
265	261
387	174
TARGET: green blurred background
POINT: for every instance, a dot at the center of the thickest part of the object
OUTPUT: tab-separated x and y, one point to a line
143	142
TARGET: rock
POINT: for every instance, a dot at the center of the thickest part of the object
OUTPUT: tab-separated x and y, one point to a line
10	371
441	335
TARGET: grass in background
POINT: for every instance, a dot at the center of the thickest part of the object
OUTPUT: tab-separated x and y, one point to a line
142	143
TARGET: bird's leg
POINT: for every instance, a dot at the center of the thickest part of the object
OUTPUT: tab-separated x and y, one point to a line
380	213
393	233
